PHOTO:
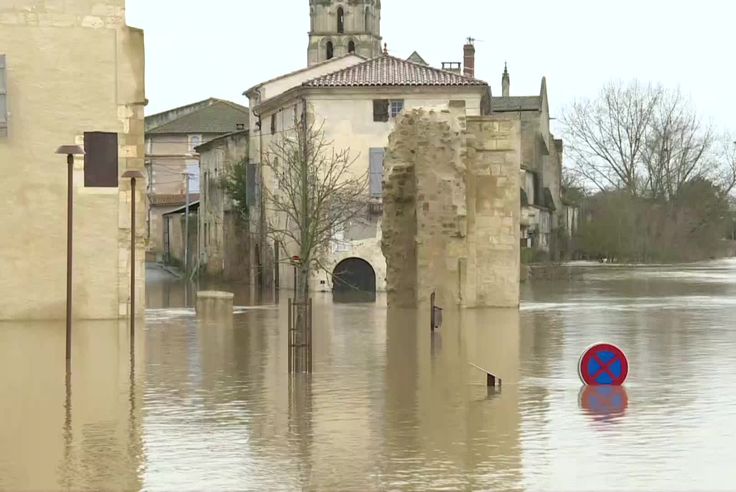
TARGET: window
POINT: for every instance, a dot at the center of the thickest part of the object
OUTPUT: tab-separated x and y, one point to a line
100	160
3	99
375	172
367	20
530	188
340	20
194	141
397	106
193	172
380	110
351	47
240	126
250	183
273	124
330	50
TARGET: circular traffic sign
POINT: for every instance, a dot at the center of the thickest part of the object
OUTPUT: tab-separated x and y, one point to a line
603	364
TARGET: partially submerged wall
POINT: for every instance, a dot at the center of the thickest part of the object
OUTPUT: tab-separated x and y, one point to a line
71	67
451	209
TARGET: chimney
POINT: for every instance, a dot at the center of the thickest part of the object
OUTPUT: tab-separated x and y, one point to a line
506	81
469	59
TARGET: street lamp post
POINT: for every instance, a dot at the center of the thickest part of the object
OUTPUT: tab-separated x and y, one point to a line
70	151
133	175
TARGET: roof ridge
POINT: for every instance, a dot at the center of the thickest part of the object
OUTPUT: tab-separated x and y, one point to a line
234	105
439	78
180	107
432	68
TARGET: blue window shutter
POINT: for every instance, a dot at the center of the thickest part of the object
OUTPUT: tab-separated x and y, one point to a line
376	172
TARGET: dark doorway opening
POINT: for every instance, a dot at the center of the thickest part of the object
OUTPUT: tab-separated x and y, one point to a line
354	282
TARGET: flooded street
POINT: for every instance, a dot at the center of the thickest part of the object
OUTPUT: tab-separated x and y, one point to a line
210	406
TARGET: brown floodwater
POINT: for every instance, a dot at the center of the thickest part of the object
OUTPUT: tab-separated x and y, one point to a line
210	406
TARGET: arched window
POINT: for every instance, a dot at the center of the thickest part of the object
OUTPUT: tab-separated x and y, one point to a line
367	20
340	20
330	50
351	47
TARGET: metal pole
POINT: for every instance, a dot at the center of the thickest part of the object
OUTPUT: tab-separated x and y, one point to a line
309	337
276	262
132	262
69	233
290	338
186	229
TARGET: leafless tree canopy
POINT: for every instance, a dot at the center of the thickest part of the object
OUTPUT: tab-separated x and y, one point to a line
318	191
645	140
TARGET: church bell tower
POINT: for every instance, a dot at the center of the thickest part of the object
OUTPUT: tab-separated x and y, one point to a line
339	27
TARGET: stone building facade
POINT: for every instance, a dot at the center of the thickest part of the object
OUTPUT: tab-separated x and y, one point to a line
224	238
341	27
171	139
357	102
72	73
451	216
542	215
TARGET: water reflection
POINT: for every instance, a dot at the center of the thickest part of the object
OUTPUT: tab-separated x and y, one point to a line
67	429
604	403
209	405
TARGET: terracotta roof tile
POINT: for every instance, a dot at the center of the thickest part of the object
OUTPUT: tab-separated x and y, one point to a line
390	71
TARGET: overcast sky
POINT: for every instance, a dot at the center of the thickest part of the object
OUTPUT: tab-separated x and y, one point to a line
196	49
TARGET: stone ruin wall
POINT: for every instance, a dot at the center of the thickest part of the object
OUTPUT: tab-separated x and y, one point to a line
451	210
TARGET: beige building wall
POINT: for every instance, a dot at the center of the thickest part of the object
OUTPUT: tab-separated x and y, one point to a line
72	67
223	237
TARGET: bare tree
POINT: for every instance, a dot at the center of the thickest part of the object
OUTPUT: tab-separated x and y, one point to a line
316	192
645	140
606	137
678	147
725	175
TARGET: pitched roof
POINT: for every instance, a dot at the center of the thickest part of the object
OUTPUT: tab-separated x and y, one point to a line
300	70
210	143
517	103
417	58
193	206
390	71
219	117
158	119
171	200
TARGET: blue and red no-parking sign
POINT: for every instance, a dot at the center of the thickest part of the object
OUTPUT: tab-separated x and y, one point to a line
603	364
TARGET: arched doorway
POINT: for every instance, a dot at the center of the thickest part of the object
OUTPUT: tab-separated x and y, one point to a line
354	280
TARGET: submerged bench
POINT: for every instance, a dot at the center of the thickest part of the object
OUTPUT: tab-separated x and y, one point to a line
212	303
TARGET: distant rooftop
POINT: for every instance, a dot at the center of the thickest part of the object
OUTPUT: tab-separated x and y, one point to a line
208	116
417	58
516	103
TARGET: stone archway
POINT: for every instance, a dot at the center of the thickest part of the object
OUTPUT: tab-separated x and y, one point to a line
354	280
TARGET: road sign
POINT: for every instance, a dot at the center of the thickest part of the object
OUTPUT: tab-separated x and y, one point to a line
603	364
